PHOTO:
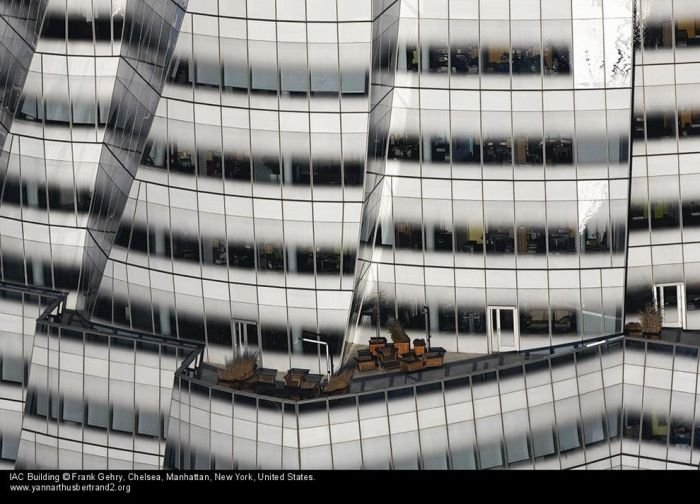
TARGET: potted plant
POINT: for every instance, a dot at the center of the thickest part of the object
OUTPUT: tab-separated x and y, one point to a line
238	369
410	362
419	346
339	383
633	329
651	320
402	343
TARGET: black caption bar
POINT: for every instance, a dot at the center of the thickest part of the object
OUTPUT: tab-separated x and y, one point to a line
20	484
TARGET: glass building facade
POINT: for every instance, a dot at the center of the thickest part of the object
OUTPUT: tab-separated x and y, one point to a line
19	310
499	201
96	397
663	225
196	178
624	403
246	200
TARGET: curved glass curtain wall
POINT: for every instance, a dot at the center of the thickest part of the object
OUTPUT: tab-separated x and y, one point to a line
502	114
663	223
621	402
246	202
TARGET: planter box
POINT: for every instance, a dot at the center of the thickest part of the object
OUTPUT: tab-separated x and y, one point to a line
434	360
266	375
235	385
391	364
365	363
311	381
294	377
435	357
387	357
419	346
310	386
375	344
410	365
402	348
386	353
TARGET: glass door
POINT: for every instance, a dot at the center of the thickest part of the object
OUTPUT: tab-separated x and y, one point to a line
503	329
670	298
245	336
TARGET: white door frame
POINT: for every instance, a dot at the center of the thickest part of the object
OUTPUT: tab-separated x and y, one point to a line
680	297
494	333
240	333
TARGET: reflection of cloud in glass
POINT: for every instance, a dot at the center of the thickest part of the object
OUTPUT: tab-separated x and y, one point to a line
591	196
618	51
588	53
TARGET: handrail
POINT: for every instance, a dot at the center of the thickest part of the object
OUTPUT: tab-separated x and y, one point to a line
473	372
58	297
29	289
53	316
190	367
527	358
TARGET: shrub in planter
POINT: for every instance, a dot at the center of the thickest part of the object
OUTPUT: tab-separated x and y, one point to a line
401	341
339	383
651	319
239	368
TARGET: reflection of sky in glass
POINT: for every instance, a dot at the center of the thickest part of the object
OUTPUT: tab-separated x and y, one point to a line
586	9
588	53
